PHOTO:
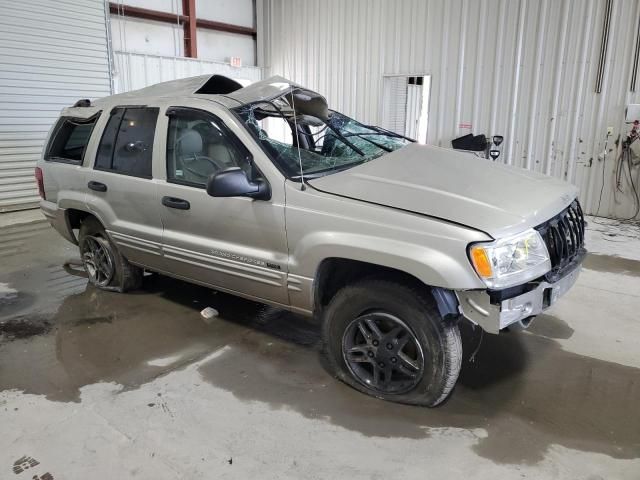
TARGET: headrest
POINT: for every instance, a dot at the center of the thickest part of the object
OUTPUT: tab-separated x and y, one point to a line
189	143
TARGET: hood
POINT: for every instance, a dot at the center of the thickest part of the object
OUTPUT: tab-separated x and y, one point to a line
454	186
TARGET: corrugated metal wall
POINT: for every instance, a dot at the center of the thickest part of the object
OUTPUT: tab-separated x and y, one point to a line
525	69
51	54
136	70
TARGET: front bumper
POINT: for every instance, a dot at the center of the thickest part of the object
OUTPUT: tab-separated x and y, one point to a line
477	306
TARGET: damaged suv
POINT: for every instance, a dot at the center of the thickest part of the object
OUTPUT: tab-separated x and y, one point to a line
266	193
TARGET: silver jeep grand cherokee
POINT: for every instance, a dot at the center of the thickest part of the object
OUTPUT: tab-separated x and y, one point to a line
266	193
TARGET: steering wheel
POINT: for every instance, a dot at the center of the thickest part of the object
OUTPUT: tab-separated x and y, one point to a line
217	164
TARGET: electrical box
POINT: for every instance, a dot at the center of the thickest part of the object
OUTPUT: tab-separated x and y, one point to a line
632	112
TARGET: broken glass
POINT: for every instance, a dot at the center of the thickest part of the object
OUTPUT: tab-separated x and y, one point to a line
312	139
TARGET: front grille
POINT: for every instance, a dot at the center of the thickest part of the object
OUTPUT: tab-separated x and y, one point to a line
564	237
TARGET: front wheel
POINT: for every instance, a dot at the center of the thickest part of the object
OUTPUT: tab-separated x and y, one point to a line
388	340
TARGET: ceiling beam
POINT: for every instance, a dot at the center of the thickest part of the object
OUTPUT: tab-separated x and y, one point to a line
225	27
146	14
168	17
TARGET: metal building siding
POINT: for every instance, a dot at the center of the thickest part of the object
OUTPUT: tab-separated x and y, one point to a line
137	70
51	54
525	69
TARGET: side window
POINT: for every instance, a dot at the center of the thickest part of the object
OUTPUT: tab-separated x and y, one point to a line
126	146
198	145
69	139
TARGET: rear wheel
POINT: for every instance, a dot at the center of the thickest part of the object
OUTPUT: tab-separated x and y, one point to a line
388	340
105	266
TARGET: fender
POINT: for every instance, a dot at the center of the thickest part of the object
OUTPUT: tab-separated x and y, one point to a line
431	266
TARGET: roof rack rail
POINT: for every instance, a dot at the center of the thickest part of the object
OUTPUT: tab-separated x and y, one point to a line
83	102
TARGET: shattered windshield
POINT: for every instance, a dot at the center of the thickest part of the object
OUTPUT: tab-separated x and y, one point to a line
298	130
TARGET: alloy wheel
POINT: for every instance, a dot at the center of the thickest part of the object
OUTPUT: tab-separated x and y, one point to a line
383	353
98	260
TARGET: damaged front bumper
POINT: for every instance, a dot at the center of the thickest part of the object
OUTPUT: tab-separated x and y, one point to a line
494	312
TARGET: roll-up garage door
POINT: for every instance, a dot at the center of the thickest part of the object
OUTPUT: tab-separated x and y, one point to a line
52	52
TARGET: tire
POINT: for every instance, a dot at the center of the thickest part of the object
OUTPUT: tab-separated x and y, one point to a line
121	275
396	307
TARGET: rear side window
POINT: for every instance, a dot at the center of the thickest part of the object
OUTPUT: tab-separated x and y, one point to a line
126	146
69	139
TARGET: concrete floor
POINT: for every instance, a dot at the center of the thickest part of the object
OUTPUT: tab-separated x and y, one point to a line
102	385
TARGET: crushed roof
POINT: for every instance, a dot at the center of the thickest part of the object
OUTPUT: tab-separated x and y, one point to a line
188	87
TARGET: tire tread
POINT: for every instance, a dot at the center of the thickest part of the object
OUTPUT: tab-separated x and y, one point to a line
448	331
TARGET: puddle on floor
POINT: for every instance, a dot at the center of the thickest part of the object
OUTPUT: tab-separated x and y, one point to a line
24	326
612	264
101	336
522	389
550	326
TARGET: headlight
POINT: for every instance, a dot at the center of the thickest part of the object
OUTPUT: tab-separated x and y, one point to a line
511	261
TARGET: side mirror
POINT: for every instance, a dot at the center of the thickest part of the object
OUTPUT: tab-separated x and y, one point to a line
234	182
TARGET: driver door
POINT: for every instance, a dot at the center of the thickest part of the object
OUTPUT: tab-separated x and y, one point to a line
235	244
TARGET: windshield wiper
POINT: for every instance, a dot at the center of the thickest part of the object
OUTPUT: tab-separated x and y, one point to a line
384	131
344	140
379	145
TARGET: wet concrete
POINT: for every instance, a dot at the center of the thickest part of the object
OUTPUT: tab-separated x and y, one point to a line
100	336
612	264
550	326
24	327
522	388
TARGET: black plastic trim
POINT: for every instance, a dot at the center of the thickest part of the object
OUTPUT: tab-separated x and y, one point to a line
93	118
446	301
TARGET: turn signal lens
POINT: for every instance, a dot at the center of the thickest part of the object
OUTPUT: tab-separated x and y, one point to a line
481	261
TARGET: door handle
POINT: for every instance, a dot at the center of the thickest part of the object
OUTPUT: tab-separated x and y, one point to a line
178	203
97	186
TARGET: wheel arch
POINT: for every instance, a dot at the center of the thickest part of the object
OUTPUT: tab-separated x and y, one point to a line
73	219
334	273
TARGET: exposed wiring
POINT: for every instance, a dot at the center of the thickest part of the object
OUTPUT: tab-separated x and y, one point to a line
626	157
472	358
604	162
620	175
635	191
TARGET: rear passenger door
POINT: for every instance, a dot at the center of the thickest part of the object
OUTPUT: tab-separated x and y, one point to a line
120	188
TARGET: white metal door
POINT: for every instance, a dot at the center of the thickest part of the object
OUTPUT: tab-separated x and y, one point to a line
394	112
51	55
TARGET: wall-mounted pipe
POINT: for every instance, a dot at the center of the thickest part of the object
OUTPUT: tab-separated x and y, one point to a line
636	57
603	45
